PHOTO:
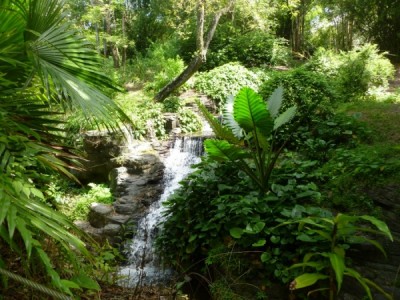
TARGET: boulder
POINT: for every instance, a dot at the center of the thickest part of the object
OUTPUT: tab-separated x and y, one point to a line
98	214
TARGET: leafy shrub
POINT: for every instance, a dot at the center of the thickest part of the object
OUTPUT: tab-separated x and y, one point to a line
201	211
217	201
226	80
258	48
172	104
189	121
308	90
330	237
317	139
356	73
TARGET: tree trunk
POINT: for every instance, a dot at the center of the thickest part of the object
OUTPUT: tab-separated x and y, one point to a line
124	48
202	47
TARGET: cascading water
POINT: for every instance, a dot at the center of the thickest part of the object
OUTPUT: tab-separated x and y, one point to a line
144	267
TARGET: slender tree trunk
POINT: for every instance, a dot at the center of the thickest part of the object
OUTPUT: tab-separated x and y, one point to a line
105	52
123	37
96	28
202	47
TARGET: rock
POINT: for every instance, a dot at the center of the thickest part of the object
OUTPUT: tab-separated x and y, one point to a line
118	219
111	230
128	208
95	233
98	214
135	173
100	147
171	121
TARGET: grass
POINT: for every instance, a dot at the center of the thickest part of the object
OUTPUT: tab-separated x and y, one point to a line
382	117
359	176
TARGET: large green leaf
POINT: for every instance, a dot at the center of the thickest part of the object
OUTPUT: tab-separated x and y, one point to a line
228	119
275	102
42	14
250	112
221	150
307	279
285	117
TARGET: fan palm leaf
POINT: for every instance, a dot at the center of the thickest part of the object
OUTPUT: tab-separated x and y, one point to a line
43	63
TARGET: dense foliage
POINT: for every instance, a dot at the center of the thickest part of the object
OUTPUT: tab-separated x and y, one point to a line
217	221
354	74
263	206
226	80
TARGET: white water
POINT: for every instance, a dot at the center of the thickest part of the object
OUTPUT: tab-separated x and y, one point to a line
144	266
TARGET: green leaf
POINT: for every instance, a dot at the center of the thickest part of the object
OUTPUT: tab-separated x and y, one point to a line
266	256
26	235
70	284
221	150
250	112
362	239
313	264
285	117
219	130
236	232
338	265
275	102
353	273
228	119
307	279
378	288
12	220
380	225
259	243
85	281
5	205
255	228
192	238
275	239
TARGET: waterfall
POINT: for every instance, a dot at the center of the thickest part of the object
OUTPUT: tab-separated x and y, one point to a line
144	267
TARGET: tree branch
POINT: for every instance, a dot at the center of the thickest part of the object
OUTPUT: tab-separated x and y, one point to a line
202	48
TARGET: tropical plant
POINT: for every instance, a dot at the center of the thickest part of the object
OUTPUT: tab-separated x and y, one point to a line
310	91
45	66
189	121
248	134
226	80
354	74
332	236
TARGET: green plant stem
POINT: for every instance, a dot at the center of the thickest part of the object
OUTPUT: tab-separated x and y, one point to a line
332	285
